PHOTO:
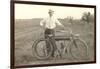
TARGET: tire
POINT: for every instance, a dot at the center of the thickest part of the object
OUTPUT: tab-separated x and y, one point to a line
79	49
39	49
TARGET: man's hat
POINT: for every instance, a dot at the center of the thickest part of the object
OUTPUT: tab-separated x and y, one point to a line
50	11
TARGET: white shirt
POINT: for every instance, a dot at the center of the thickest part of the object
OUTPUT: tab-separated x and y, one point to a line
50	22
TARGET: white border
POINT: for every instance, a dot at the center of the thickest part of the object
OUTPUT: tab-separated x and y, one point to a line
5	34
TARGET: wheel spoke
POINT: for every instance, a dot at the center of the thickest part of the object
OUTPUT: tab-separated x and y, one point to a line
79	49
40	49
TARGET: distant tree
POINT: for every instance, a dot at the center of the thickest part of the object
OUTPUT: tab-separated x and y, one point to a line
70	19
87	17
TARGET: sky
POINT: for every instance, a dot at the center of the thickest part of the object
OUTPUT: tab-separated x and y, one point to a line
26	11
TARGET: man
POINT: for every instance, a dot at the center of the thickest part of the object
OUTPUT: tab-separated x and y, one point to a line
49	24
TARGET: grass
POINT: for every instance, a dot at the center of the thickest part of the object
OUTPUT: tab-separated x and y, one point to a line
26	31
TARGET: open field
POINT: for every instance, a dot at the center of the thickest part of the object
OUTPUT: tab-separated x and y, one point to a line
28	30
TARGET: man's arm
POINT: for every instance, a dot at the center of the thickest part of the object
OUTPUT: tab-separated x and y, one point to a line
42	22
58	23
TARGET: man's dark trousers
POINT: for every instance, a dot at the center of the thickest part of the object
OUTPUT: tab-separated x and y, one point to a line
51	39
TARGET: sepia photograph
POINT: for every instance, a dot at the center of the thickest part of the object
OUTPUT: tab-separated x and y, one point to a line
53	34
